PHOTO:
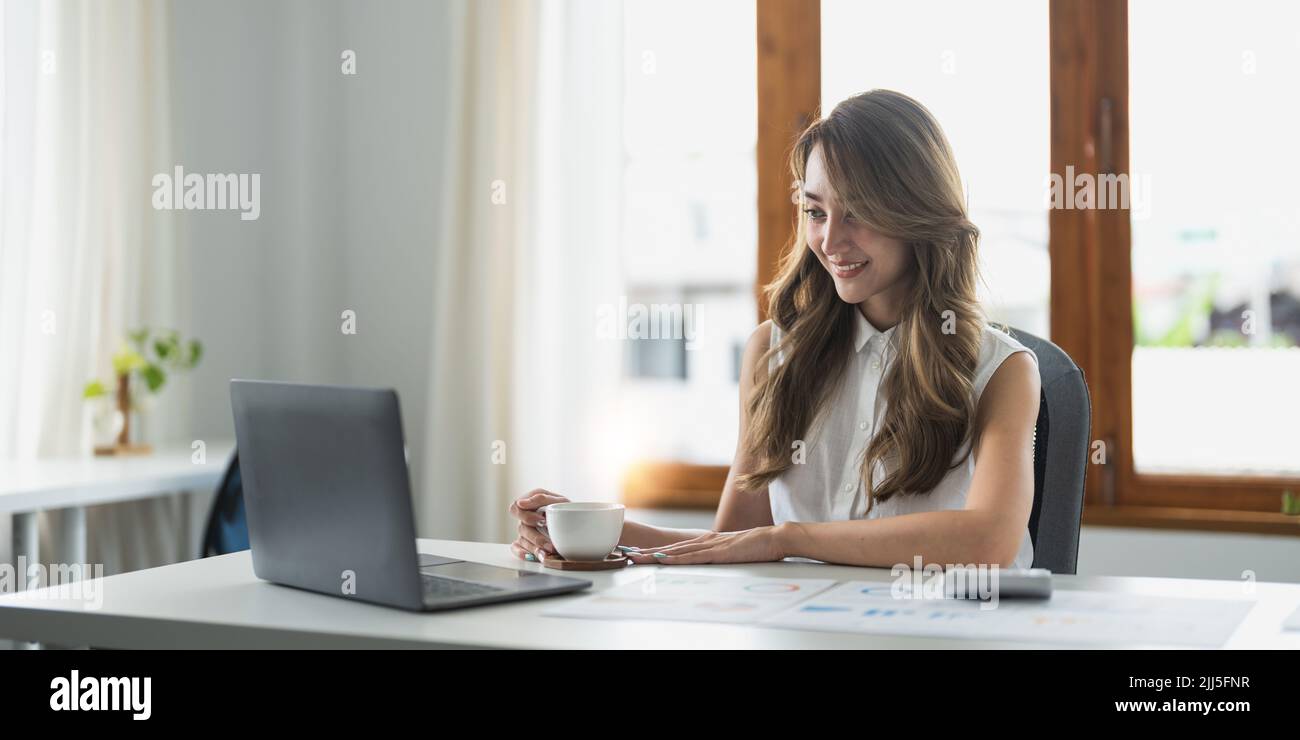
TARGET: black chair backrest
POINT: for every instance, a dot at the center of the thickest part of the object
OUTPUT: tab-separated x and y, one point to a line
227	529
1061	441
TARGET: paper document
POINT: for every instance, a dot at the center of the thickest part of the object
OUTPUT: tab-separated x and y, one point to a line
679	596
1068	616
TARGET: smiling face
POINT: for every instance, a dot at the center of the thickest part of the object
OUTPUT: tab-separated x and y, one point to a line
869	268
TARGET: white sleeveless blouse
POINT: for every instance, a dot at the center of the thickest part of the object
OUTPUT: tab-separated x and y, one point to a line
828	485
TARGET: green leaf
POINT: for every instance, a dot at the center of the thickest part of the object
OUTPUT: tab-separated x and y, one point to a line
126	360
1289	503
171	353
138	338
154	377
196	351
94	389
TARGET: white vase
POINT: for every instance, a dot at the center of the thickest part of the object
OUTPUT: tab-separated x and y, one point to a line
106	421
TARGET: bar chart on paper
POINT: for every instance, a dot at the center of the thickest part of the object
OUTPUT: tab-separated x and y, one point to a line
677	596
1084	617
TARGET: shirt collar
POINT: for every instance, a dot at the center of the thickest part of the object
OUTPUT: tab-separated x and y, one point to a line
865	331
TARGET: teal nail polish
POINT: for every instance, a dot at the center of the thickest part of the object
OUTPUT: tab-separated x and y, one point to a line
529	556
660	555
625	548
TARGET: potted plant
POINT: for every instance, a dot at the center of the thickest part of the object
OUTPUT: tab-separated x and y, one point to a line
141	365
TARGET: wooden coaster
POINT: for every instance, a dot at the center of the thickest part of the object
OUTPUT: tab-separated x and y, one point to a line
611	562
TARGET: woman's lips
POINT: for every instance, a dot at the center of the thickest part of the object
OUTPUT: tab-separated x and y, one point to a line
847	270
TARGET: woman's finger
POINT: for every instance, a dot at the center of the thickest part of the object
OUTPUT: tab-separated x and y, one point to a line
679	549
535	501
702	555
518	551
523	551
674	555
534	537
524	502
525	508
531	518
703	539
539	497
527	551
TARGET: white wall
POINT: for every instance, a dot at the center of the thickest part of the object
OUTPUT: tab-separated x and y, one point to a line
1123	551
349	197
349	194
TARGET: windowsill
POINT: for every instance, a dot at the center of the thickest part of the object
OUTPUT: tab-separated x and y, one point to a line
1204	520
684	486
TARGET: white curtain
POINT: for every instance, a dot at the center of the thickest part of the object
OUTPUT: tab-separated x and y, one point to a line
520	384
83	256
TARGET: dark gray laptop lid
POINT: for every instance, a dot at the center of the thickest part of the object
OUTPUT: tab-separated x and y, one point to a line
326	489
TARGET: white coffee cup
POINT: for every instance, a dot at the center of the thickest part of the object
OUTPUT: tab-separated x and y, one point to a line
584	530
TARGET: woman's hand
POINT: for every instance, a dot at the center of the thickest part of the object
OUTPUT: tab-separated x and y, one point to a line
757	545
533	542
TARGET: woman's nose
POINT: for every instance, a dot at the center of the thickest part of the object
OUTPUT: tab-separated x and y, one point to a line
834	239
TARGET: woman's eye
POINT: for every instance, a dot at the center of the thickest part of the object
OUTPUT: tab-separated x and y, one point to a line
814	213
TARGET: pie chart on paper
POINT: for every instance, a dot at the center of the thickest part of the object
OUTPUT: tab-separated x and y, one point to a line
772	588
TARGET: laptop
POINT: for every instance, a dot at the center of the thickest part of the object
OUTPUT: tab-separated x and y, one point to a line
328	502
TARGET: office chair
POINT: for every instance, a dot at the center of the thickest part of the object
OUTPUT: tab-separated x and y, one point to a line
1061	440
227	529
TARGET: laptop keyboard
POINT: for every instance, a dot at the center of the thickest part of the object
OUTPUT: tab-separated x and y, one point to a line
450	588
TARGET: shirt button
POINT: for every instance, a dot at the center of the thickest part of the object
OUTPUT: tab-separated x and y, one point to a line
848	487
862	426
875	365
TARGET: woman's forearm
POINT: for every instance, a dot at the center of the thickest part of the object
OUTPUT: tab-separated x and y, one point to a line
945	537
636	534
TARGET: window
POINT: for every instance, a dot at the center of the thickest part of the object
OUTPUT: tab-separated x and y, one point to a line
1147	298
689	226
1216	262
989	91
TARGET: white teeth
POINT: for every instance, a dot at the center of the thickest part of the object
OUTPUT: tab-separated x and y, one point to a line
850	268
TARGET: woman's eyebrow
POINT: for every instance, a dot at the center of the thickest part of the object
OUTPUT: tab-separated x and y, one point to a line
812	196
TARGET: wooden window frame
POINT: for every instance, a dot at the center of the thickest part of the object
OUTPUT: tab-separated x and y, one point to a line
1091	292
1091	268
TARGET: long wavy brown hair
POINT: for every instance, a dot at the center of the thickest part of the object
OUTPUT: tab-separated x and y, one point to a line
892	168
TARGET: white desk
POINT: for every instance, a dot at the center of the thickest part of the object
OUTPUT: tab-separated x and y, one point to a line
28	487
219	603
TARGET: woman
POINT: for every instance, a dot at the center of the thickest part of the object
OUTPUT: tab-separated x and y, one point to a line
882	418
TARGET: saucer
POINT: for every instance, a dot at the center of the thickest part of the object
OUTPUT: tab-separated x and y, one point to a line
612	561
